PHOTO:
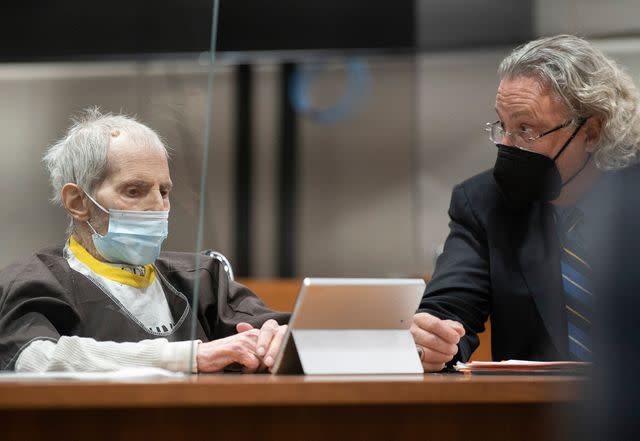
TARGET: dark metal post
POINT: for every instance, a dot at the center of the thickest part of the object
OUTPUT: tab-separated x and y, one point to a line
287	182
243	173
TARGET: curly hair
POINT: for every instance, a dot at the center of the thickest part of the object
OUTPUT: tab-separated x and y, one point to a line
591	85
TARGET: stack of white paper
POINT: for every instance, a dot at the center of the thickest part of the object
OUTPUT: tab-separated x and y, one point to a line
522	366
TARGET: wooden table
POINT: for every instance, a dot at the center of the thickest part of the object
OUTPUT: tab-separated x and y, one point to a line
235	407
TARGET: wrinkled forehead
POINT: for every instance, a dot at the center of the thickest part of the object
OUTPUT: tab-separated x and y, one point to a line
536	82
136	157
520	95
134	134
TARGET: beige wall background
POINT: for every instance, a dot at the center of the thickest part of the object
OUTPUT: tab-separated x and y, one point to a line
374	189
356	177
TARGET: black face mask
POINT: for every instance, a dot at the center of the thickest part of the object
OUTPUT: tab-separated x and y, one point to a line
525	176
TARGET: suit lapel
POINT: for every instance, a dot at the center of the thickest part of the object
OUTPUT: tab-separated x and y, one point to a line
540	264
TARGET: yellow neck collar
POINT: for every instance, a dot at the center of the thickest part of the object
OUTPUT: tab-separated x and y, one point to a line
112	272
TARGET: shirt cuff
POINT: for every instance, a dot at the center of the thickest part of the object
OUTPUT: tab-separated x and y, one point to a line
176	356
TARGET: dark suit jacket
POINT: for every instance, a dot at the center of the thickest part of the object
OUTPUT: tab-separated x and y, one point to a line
502	262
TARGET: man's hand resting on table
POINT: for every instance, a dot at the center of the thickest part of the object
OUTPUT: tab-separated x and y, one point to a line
436	339
254	349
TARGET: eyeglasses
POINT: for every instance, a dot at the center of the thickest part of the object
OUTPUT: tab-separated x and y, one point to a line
523	136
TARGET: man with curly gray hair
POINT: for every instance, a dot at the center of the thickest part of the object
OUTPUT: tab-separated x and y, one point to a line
568	135
109	298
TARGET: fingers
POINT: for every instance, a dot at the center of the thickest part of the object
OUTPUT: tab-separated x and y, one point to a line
437	338
267	332
250	363
456	326
440	328
434	357
250	336
274	347
433	342
241	349
215	355
243	327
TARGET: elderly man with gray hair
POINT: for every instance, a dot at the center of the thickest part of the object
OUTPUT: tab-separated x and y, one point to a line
109	299
520	247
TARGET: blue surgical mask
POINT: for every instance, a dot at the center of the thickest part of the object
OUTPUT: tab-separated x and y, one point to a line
133	237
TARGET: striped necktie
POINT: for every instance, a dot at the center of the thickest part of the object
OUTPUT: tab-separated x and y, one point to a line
578	293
